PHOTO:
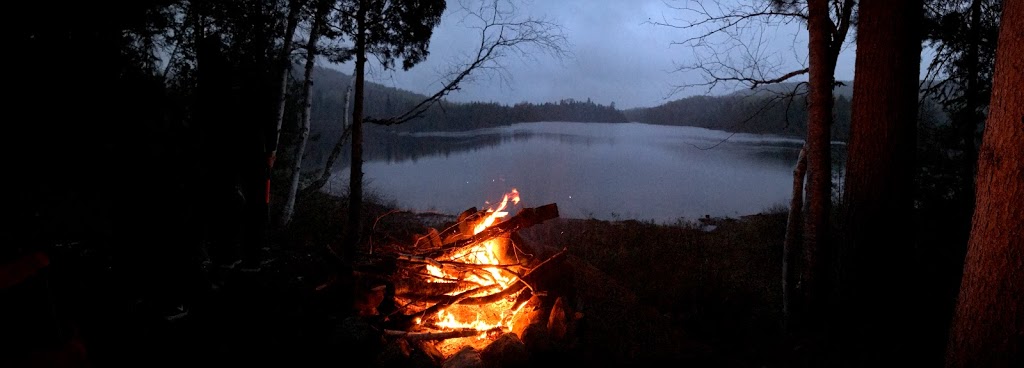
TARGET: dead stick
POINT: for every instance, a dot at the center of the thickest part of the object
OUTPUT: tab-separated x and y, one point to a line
560	254
426	287
525	218
411	258
488	299
463	298
452	300
520	278
440	335
445	279
423	298
437	298
518	285
448	279
512	289
486	276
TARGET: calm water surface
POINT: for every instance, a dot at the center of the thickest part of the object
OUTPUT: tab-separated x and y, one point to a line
604	171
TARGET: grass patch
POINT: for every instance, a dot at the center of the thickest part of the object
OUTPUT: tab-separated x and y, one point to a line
721	287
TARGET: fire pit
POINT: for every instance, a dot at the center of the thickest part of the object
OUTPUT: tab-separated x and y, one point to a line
467	284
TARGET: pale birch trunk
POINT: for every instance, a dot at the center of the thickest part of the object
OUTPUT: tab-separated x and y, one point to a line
307	105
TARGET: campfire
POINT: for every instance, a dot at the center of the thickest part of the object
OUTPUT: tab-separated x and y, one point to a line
467	284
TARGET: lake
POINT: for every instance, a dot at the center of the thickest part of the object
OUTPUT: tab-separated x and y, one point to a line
591	170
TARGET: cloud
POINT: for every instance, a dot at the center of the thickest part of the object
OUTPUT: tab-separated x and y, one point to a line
618	57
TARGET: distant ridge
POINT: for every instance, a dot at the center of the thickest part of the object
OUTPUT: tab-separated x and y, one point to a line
758	111
383	101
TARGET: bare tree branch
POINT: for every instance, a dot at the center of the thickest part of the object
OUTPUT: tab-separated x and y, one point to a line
501	33
731	41
843	15
720	20
325	175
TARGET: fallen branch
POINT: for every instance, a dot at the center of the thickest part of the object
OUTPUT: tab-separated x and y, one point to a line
411	258
463	228
442	279
559	255
525	218
459	238
487	299
452	299
439	335
520	283
434	288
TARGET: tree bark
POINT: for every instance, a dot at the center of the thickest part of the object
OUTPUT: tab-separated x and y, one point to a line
791	245
272	138
294	8
355	191
307	105
819	164
878	241
988	325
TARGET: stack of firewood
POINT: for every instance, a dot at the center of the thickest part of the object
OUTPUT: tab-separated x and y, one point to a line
418	295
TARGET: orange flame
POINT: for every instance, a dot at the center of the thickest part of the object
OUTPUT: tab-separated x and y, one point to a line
498	213
491	279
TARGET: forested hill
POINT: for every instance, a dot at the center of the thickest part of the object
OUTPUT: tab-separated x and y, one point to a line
767	110
759	111
382	101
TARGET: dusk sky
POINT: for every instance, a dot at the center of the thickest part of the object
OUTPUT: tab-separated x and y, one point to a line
617	56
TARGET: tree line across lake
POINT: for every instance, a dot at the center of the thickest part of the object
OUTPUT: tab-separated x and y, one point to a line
780	110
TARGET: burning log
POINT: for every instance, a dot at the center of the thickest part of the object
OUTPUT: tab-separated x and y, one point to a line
467	281
411	283
525	218
488	299
519	285
432	289
453	299
432	239
463	228
441	264
433	335
464	298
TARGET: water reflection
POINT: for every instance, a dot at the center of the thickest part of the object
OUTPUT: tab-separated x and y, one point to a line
606	171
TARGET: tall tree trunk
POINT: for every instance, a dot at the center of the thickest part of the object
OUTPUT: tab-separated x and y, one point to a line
878	201
968	118
307	105
346	130
355	192
819	165
294	9
273	137
988	325
791	245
